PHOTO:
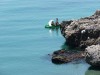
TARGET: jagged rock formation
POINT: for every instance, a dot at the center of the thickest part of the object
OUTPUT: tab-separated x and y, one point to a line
64	56
93	55
82	32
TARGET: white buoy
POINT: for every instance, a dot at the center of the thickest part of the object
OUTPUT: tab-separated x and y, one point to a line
50	22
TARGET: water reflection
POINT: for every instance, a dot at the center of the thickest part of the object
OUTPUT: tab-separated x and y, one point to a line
66	47
93	71
90	70
54	31
50	31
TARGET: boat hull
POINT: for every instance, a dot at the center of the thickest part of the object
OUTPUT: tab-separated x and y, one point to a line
47	26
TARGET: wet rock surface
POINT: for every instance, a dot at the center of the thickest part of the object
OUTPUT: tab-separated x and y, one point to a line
92	55
82	32
64	56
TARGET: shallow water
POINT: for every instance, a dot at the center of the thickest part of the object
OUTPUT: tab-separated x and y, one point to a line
25	43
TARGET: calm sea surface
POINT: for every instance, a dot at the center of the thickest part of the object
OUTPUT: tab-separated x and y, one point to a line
25	43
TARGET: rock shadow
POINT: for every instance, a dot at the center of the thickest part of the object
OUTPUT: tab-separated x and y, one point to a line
93	71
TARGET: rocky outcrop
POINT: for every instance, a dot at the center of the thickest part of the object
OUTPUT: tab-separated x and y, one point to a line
92	54
83	32
64	56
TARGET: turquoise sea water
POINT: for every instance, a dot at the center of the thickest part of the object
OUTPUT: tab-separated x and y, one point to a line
25	43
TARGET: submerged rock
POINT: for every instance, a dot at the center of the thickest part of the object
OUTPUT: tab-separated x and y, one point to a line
82	32
64	56
93	55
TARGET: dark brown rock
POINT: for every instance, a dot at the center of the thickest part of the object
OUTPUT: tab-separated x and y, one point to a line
64	56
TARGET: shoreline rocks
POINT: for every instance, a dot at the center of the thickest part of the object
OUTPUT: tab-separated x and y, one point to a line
83	33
